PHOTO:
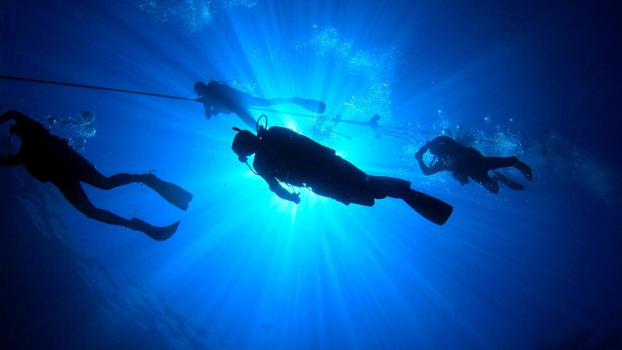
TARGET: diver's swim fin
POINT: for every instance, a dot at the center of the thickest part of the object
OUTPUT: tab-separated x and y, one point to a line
524	169
508	182
173	194
157	233
310	105
429	207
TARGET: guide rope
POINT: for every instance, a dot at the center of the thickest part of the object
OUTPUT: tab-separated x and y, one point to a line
403	133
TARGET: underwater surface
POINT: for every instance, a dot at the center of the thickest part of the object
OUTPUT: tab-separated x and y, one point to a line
539	268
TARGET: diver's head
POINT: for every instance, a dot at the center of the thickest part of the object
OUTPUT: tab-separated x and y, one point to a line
200	88
442	145
244	144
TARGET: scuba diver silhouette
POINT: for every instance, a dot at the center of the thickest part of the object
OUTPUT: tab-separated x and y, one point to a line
49	158
465	162
220	98
282	155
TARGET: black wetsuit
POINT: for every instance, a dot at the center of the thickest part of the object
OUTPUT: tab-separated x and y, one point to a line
221	98
281	155
49	158
465	162
294	159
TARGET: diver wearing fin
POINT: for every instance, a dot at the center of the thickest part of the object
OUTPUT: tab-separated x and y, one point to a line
49	158
281	155
220	98
465	162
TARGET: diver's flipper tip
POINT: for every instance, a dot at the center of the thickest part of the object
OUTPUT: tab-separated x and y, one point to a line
433	209
163	233
525	170
508	182
172	193
156	233
182	200
310	105
321	108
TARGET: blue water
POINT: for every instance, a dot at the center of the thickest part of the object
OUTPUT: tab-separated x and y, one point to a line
246	270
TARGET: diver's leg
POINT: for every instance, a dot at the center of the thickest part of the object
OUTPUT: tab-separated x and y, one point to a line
84	171
488	183
524	169
507	181
334	177
492	163
73	192
310	105
383	186
250	100
246	117
427	206
262	102
109	182
170	192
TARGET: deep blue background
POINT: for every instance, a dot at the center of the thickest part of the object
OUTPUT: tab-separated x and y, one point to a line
246	270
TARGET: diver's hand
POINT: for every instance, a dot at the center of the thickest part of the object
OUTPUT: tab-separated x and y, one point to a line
295	197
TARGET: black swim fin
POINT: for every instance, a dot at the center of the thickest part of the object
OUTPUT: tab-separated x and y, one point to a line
157	233
429	207
524	169
310	105
508	182
172	193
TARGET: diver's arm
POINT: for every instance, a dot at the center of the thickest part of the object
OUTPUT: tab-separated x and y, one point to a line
422	150
15	115
276	187
5	117
425	169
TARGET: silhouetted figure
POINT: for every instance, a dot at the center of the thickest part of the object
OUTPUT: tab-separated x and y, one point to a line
221	98
49	158
465	162
285	156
